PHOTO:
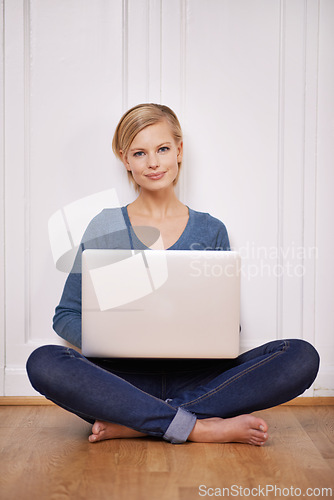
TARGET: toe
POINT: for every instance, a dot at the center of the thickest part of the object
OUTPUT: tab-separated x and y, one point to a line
97	427
257	441
258	434
263	426
92	438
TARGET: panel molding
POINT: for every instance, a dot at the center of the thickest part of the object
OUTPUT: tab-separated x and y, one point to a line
16	178
125	55
142	26
154	51
280	165
174	66
137	44
310	166
154	56
292	177
184	19
296	173
16	228
26	167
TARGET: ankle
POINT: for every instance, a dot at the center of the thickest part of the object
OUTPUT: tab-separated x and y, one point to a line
197	434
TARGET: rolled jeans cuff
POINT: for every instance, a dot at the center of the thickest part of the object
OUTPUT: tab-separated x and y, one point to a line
180	427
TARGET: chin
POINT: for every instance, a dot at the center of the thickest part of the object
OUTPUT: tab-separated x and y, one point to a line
157	185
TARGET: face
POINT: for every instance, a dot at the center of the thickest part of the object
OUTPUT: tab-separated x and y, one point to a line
153	157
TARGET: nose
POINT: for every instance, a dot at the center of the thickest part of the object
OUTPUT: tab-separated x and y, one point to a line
153	161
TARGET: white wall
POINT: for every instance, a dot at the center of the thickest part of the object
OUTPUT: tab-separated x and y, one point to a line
251	81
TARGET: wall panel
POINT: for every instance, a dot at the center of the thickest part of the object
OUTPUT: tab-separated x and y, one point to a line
16	184
137	51
291	167
324	320
232	158
63	100
310	167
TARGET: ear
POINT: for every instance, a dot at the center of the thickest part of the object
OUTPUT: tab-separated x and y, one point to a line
180	151
124	159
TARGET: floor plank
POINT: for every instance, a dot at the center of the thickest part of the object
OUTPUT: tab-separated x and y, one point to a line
44	454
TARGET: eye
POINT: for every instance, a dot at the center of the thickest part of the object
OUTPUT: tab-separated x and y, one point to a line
163	149
138	153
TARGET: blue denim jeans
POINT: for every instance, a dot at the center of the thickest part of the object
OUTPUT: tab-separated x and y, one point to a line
164	397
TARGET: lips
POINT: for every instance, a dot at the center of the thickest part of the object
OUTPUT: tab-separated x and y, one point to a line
156	176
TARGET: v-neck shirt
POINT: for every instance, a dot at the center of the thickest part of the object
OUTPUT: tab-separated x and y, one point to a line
202	232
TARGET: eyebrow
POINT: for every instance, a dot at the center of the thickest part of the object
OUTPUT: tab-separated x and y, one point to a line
159	146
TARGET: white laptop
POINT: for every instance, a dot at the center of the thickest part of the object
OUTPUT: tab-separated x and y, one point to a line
160	303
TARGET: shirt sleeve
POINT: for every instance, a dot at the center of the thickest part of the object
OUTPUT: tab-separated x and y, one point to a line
67	318
217	234
106	230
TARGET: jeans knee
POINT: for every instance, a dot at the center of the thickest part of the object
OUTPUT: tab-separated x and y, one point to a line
37	365
308	358
311	356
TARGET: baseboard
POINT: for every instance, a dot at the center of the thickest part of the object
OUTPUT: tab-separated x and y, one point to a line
41	401
25	401
313	401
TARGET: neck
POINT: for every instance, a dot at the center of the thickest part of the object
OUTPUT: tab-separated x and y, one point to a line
157	204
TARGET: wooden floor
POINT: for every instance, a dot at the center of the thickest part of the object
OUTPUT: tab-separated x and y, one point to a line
44	454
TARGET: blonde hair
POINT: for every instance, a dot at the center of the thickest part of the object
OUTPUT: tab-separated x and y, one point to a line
135	120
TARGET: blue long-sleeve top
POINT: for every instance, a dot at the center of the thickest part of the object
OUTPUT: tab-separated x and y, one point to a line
112	228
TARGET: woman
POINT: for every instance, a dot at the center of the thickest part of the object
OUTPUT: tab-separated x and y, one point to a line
178	400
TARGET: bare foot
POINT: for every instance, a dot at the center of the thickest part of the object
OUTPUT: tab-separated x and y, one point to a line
242	429
107	430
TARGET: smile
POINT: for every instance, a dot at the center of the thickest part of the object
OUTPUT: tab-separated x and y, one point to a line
156	176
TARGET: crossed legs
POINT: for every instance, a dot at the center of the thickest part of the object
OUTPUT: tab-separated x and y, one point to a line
211	405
